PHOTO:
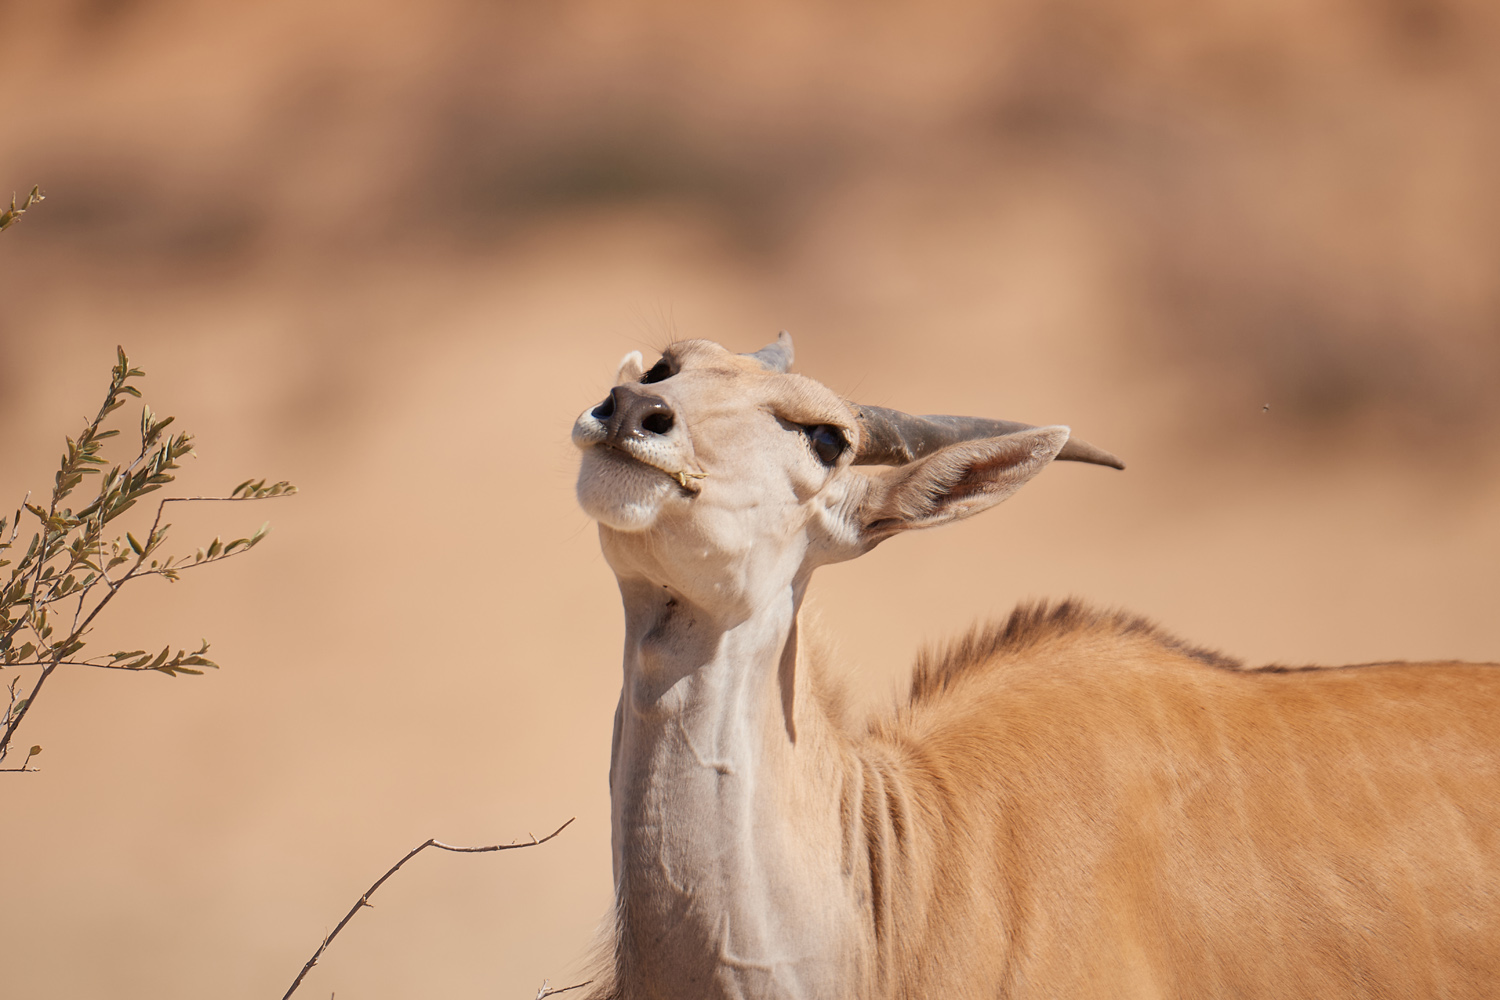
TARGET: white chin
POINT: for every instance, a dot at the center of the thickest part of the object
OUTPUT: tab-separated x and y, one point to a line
620	492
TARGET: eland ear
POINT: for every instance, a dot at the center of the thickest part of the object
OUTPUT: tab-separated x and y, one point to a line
957	481
777	355
632	366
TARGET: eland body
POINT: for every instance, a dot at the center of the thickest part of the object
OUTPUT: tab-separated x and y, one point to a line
1070	803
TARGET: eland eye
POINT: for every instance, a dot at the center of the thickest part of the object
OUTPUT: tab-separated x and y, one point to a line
659	372
828	441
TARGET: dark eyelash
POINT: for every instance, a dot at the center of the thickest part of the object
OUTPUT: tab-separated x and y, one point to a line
659	372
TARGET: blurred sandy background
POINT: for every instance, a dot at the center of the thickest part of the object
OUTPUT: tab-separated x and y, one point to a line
389	251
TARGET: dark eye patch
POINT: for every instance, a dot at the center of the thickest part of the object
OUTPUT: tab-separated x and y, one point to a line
659	372
827	441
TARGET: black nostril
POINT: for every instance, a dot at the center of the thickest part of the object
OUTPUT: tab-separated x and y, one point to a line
629	413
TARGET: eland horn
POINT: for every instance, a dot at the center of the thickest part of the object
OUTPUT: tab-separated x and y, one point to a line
890	437
777	355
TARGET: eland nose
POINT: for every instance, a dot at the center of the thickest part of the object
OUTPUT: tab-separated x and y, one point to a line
630	414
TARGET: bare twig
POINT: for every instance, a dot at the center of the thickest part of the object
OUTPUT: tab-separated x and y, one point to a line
365	899
545	992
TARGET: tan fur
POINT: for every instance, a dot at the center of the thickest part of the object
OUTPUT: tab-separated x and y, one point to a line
1070	804
1088	807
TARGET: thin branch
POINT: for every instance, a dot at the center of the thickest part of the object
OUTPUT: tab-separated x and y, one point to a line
273	496
121	374
29	770
43	590
544	992
14	721
42	558
90	663
136	572
365	899
140	560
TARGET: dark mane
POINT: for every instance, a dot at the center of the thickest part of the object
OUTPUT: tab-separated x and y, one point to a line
1033	624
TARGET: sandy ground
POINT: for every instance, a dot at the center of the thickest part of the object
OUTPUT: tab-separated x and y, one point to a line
427	644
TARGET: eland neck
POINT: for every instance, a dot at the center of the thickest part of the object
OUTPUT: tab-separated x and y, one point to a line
731	861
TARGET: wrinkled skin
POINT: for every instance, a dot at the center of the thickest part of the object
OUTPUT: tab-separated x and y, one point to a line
713	522
1072	804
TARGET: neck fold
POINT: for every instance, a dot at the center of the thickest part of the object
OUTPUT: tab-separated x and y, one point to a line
730	856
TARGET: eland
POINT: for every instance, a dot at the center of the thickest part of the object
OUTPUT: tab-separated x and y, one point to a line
1070	803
